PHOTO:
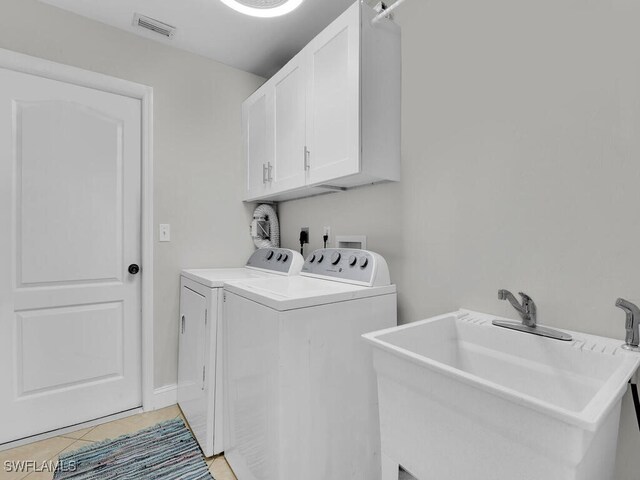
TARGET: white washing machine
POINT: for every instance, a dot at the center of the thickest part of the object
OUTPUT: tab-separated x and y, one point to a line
200	347
300	389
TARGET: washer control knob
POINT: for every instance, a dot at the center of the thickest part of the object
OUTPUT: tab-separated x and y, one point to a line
352	260
269	255
285	257
335	258
312	258
320	258
279	257
364	261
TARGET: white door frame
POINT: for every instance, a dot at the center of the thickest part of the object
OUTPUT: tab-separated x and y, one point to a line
55	71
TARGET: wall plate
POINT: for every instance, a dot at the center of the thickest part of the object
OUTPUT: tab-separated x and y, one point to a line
351	241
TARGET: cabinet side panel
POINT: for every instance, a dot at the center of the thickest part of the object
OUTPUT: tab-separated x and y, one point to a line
252	382
380	97
216	359
330	427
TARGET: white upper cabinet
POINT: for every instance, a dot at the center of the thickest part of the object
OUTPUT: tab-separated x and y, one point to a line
289	126
330	119
333	93
257	142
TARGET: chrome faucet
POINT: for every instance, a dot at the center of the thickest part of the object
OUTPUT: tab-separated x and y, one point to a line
529	314
527	310
632	325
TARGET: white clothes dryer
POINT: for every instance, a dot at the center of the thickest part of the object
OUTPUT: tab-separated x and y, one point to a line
200	346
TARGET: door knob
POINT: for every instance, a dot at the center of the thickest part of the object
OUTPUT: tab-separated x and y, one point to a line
133	269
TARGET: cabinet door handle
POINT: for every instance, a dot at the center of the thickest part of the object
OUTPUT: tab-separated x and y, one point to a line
182	327
306	158
264	173
269	168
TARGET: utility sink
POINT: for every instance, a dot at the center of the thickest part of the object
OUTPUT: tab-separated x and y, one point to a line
461	398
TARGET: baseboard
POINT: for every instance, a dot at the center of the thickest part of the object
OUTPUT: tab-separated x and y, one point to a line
165	396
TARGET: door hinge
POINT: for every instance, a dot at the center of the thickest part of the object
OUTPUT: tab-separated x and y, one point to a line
182	321
204	369
307	155
224	297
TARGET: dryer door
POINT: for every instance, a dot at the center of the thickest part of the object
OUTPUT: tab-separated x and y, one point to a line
192	365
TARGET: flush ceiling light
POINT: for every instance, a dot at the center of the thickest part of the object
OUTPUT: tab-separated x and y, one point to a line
263	8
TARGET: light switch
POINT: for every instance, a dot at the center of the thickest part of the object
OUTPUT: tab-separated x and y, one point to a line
165	232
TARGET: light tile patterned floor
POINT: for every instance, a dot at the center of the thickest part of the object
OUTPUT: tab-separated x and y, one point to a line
48	450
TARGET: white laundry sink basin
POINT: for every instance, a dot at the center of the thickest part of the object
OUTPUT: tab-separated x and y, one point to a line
461	398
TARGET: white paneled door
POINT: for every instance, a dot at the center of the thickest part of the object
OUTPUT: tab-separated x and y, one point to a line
70	310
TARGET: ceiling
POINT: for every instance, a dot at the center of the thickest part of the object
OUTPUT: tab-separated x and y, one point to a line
210	28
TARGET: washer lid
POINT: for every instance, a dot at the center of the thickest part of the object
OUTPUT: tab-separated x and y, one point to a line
289	293
216	277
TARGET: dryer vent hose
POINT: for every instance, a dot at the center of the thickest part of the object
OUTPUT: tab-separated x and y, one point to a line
265	228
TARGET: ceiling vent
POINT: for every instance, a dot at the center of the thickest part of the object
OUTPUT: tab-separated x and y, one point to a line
154	25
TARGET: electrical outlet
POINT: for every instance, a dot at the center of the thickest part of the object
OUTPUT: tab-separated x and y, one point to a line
305	230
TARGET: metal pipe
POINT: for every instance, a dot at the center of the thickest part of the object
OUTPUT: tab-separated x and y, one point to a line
387	11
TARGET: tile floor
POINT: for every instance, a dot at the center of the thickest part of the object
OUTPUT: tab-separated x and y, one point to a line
49	449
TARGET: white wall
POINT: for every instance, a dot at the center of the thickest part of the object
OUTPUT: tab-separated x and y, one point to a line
198	167
521	167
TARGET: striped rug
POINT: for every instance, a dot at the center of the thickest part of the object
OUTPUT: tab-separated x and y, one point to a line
163	452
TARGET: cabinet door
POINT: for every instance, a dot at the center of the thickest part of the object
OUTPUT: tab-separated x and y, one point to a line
257	126
333	112
192	350
289	125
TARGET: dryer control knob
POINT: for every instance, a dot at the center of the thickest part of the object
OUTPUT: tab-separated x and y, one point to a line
320	258
285	256
335	258
269	255
364	261
279	257
352	260
312	258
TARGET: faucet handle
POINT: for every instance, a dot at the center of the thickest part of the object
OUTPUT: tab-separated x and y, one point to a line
525	298
528	303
